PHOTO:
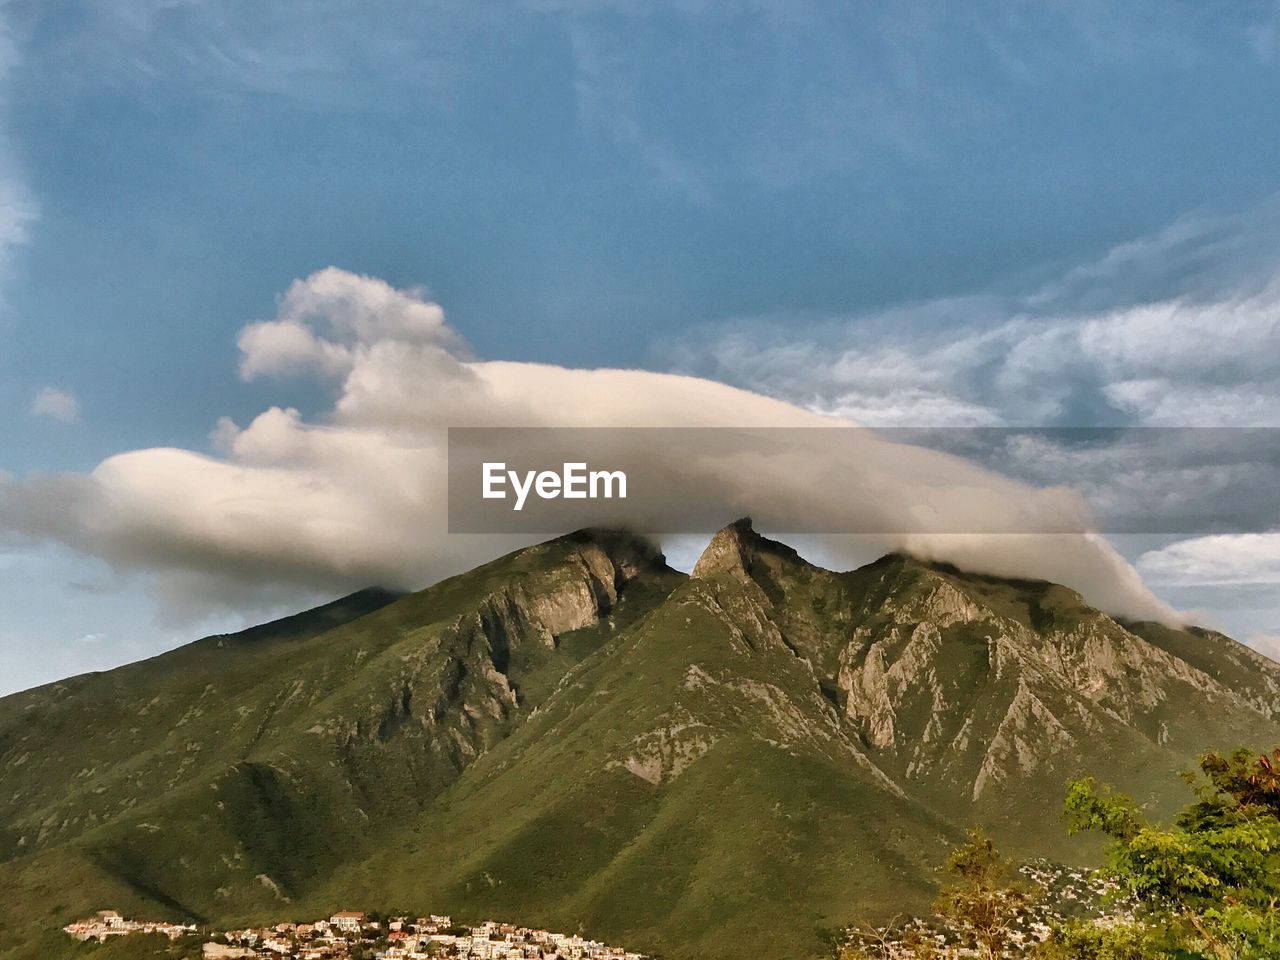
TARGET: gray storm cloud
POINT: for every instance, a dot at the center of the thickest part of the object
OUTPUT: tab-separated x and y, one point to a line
358	495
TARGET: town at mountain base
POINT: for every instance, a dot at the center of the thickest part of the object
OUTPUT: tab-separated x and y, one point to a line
579	738
353	934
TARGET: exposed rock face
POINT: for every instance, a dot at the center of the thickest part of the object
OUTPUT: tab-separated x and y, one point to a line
470	700
974	686
730	551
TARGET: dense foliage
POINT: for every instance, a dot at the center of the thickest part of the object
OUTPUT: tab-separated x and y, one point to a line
1209	884
1206	887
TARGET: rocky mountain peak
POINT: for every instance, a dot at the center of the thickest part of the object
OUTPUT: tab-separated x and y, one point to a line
731	550
629	553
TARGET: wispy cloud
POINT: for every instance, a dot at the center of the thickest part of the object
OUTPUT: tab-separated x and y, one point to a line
329	53
1202	354
18	207
54	403
838	89
1222	560
834	88
1233	576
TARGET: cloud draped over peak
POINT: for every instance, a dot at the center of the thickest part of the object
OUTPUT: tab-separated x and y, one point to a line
358	495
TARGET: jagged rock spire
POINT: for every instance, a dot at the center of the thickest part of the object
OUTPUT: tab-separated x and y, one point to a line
731	550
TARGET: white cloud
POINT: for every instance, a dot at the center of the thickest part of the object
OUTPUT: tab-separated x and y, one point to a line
1162	402
325	321
1219	560
1174	363
55	403
358	495
1266	643
1203	352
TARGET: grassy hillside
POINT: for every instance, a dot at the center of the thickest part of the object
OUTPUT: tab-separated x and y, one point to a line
688	790
778	749
226	778
575	735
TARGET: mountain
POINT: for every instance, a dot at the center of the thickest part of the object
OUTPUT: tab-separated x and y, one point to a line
578	736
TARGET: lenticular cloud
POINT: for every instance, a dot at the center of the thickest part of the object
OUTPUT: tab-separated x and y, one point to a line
356	495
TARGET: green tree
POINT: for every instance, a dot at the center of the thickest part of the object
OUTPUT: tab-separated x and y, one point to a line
981	901
1209	885
883	943
1119	941
1238	784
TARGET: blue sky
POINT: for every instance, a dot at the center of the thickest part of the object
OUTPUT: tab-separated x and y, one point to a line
766	193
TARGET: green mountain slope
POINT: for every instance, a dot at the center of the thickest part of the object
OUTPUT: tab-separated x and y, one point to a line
577	736
779	748
688	789
260	767
75	747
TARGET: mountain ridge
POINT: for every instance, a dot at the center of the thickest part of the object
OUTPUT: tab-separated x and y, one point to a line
765	747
